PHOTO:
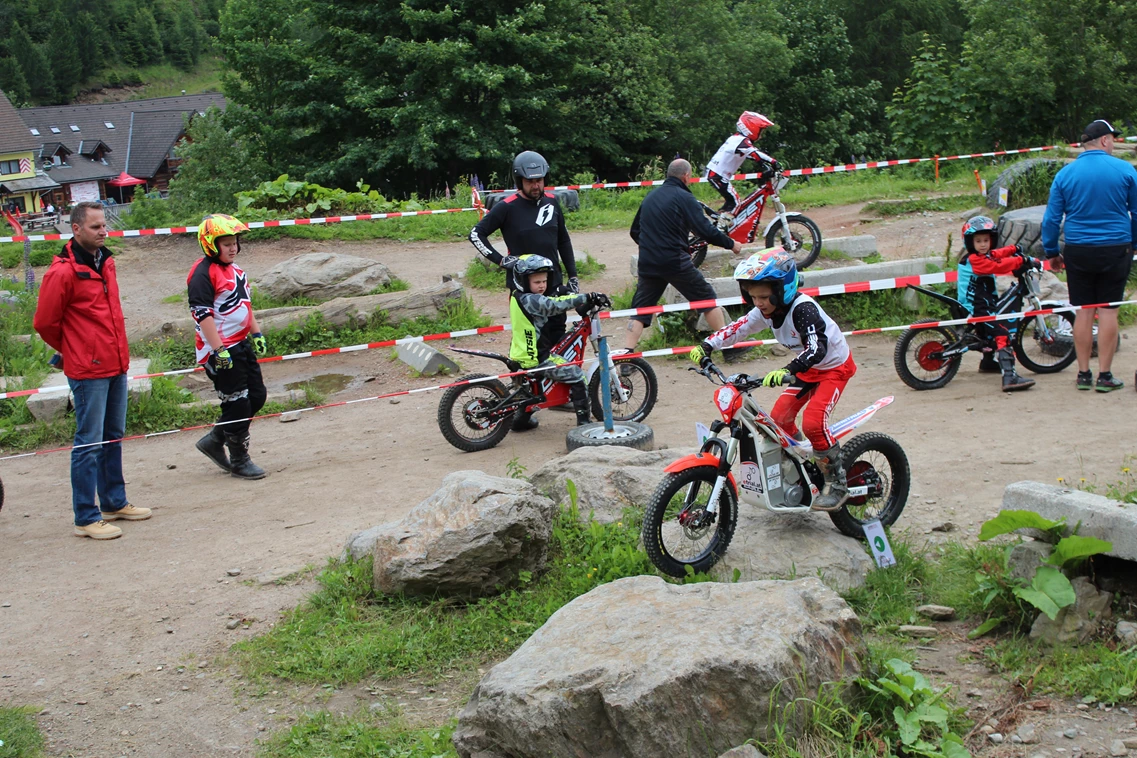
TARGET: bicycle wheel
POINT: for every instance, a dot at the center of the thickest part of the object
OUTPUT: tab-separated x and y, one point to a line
917	357
679	532
462	416
635	377
805	237
875	461
1049	350
697	249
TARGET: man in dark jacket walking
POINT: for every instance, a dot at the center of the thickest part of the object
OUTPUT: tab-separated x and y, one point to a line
661	228
80	316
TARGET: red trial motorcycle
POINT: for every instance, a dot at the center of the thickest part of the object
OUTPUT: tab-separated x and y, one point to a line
797	234
478	416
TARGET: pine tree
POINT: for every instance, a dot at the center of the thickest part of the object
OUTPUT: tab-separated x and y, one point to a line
34	64
66	66
87	44
13	83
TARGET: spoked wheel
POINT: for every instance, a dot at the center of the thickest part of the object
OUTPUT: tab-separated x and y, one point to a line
697	249
919	360
876	462
679	532
805	238
636	380
1049	349
463	418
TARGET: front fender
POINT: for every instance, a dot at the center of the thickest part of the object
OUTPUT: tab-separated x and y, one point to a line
775	220
699	459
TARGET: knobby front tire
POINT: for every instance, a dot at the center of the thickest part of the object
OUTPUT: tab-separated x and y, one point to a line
672	547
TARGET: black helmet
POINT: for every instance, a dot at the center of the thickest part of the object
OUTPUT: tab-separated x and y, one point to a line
526	266
529	165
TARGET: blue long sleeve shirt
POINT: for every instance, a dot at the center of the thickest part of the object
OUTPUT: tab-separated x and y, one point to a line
1097	194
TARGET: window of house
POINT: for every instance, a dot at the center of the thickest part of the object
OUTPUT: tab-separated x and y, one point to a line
35	132
108	124
74	128
9	167
55	130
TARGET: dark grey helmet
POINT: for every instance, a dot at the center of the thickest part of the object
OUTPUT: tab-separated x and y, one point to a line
530	165
527	265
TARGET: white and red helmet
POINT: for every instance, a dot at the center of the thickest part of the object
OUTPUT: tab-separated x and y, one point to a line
751	124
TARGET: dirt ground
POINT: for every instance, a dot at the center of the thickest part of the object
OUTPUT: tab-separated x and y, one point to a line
122	643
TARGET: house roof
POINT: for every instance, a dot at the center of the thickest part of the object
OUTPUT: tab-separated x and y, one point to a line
89	146
14	134
40	181
48	149
157	125
80	168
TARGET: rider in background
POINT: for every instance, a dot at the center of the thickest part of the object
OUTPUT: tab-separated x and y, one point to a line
737	148
529	311
817	376
978	267
531	223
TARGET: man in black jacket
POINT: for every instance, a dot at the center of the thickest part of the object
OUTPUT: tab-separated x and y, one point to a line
661	227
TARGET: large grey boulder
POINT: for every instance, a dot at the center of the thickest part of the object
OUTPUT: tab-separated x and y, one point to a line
323	276
1100	517
472	537
640	667
608	479
1076	623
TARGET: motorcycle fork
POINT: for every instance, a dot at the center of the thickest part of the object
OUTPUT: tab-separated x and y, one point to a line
728	451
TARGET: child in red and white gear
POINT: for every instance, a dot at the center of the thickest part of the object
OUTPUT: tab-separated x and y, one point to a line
730	156
219	300
814	379
980	264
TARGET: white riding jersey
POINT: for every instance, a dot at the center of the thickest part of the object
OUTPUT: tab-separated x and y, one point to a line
732	153
805	328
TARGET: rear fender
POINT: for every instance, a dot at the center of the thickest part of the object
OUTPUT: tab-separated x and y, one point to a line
700	459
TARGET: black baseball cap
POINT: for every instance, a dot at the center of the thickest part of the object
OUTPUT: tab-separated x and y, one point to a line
1098	128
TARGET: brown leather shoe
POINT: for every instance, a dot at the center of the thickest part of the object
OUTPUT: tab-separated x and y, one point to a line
100	530
129	513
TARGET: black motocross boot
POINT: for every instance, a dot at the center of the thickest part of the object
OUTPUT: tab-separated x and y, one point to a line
836	490
213	446
1012	382
523	421
241	466
580	403
988	364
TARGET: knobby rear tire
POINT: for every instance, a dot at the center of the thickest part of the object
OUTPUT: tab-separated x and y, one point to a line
905	352
459	432
851	518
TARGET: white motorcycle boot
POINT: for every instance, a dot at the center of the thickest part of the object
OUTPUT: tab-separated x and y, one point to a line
725	219
836	491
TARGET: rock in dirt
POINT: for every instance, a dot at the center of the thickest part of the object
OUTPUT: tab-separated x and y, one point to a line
937	612
472	537
1117	748
640	667
232	624
917	631
1028	734
1075	623
1026	557
607	479
1126	632
743	751
323	276
1096	516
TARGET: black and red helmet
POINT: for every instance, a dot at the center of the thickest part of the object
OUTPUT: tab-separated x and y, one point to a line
974	226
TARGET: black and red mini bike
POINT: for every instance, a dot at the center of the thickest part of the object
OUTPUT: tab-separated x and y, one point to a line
478	416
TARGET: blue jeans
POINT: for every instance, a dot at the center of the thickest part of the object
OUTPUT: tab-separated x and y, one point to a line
100	414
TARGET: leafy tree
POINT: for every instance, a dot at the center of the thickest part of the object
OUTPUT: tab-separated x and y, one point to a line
13	83
931	113
215	166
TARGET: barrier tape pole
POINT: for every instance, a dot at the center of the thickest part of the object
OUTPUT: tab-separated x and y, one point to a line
644	354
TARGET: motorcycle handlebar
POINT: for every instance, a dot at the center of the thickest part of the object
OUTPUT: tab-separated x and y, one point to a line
741	381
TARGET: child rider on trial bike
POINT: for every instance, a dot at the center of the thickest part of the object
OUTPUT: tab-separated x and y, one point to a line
815	378
529	310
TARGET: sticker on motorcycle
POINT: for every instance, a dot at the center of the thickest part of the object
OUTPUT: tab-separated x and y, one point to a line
751	478
774	475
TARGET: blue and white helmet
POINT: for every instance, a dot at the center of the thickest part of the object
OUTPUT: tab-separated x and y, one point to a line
773	265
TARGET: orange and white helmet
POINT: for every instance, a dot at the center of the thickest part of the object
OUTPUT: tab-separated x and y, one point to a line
218	225
751	124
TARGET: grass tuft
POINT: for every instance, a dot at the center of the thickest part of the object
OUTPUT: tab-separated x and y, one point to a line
363	735
20	736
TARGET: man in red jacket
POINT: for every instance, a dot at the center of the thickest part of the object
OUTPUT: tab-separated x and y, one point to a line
80	316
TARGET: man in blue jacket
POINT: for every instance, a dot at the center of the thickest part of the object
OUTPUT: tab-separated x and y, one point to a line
1097	194
660	228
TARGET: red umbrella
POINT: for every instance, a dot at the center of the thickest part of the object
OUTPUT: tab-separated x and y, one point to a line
125	180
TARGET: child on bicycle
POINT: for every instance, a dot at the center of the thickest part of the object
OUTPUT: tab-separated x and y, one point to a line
529	310
814	379
730	156
980	263
219	303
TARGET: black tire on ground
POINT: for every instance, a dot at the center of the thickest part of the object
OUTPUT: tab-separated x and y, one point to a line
805	235
673	547
1047	357
877	460
1024	227
454	420
697	249
569	199
635	375
912	364
1	494
624	433
1014	172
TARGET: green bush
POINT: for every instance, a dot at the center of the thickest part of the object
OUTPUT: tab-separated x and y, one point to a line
12	254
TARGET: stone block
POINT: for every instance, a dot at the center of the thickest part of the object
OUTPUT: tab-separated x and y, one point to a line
54	404
425	359
859	246
1099	516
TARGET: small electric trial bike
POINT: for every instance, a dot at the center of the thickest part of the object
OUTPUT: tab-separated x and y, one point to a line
478	416
928	358
691	517
797	234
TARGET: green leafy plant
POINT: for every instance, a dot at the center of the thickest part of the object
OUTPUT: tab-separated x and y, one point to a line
921	714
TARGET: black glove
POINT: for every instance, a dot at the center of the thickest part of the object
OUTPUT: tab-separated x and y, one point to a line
574	285
599	300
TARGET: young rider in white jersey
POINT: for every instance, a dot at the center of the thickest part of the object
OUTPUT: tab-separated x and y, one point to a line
815	378
731	154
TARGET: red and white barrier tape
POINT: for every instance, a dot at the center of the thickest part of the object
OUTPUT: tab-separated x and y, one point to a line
832	289
599	185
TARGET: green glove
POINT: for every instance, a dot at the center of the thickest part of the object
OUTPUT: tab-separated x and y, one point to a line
775	378
701	354
222	360
260	344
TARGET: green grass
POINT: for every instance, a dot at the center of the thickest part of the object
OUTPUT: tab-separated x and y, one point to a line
345	632
363	735
890	208
490	277
20	736
1094	670
162	80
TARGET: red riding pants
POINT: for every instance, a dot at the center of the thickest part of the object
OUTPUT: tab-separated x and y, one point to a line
819	392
